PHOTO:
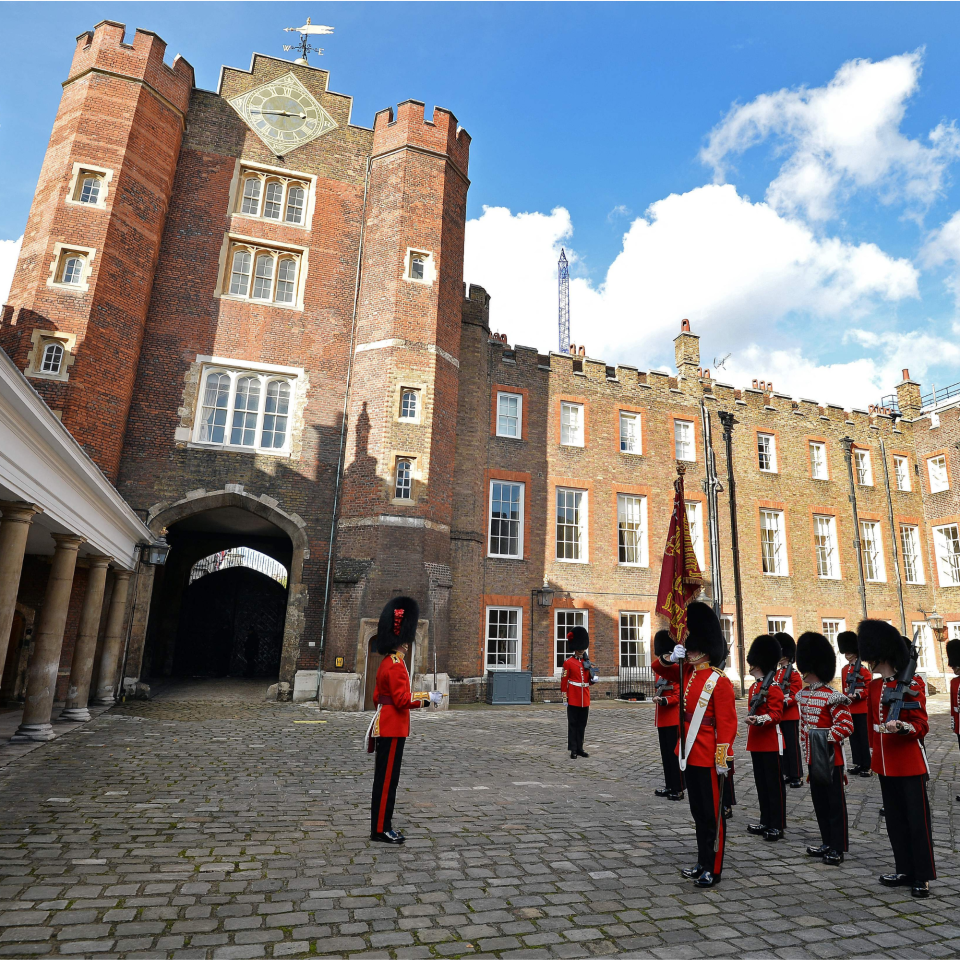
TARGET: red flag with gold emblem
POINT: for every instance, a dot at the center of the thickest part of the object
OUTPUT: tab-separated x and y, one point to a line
680	576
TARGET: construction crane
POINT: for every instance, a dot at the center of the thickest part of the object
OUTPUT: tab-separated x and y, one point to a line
563	283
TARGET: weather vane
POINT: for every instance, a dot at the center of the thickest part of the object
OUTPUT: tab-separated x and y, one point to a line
303	46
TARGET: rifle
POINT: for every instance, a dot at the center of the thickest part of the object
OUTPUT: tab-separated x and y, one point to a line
854	683
761	698
894	698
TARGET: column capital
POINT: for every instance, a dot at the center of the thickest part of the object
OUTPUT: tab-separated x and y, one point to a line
123	574
18	511
67	541
97	561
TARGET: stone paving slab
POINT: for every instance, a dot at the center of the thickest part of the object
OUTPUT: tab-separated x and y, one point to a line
231	827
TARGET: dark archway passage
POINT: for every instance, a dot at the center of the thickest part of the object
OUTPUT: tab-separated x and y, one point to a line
231	625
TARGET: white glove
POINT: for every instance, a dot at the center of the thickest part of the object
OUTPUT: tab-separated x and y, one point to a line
436	697
679	652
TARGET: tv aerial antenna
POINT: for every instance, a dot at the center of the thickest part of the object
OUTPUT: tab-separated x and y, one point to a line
306	31
720	364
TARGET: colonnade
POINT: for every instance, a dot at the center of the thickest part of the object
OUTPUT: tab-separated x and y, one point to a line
16	519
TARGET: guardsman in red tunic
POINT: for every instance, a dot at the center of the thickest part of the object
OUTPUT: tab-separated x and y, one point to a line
709	729
898	756
575	683
666	715
953	660
764	740
854	688
821	707
390	726
790	682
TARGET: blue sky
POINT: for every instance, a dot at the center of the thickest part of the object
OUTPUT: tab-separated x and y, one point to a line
766	170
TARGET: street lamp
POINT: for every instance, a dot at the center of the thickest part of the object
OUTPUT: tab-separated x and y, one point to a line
155	554
544	598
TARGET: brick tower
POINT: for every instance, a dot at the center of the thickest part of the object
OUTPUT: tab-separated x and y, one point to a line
394	528
82	286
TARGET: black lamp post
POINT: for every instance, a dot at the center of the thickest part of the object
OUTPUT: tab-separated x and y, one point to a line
155	554
543	597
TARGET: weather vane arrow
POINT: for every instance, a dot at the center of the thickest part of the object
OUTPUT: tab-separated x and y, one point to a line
307	30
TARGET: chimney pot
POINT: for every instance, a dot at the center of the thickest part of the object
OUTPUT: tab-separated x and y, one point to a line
906	374
684	326
583	351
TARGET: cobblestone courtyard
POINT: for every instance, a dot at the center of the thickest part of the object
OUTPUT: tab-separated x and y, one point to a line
206	823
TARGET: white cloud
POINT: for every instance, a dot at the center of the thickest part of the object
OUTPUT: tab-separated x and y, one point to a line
9	251
841	137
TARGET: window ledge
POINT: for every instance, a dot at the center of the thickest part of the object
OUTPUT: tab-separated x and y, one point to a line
634	566
276	223
506	436
504	556
230	448
260	303
778	575
583	562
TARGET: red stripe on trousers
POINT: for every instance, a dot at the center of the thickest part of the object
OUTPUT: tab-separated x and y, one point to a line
386	785
718	806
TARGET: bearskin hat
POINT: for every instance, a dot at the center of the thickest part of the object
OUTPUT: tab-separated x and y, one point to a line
788	646
816	655
398	624
878	640
847	641
578	638
953	653
706	635
663	643
764	653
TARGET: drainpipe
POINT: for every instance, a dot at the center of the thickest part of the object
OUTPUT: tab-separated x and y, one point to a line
728	420
343	436
711	487
847	444
893	539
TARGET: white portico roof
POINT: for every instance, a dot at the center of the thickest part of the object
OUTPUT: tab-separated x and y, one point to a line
41	463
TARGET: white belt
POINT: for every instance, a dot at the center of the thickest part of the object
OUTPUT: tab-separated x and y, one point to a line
573	683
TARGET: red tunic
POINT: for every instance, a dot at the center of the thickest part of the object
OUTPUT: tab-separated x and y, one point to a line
575	682
790	709
668	714
394	698
719	727
764	737
898	754
859	698
822	706
955	704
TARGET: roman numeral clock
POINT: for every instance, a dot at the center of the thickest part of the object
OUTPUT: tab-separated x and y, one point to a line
283	114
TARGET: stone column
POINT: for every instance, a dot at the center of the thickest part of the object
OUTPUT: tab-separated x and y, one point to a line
14	528
113	638
82	667
45	659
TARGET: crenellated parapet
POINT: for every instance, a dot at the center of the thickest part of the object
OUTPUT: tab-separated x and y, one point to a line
410	128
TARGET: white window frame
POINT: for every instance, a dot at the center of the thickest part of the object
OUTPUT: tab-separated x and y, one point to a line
819	471
235	243
517	654
235	370
57	348
776	624
429	266
632	418
63	252
572	439
642	641
953	629
506	395
643	557
948	561
876	564
939	482
902	476
288	180
583	528
412	463
695	523
778	545
75	187
680	428
405	418
770	452
573	616
836	626
927	660
826	555
862	467
910	532
490	520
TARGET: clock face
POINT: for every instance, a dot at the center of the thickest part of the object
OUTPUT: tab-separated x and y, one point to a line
283	114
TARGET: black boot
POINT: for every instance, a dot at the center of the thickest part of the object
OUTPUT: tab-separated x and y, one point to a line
833	858
757	829
920	890
773	834
707	879
388	836
896	880
818	851
692	873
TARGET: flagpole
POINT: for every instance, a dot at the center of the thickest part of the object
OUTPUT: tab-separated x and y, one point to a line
680	506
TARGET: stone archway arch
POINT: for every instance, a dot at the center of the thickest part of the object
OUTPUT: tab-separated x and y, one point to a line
163	515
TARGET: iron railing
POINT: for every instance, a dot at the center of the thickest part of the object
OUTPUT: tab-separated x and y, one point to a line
240	557
635	683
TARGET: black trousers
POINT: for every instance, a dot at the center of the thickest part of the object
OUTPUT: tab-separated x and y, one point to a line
792	764
386	776
907	812
830	806
860	742
672	777
729	787
771	791
703	792
576	726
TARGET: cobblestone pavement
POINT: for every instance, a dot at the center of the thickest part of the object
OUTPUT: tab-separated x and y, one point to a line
225	826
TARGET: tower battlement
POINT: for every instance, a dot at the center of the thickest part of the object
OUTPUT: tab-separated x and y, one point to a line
409	127
104	48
